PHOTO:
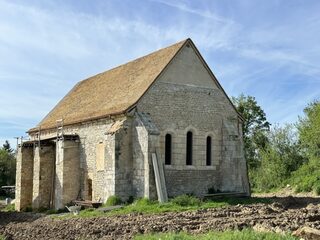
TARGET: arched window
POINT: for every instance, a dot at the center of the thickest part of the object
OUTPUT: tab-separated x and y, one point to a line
189	149
168	149
208	159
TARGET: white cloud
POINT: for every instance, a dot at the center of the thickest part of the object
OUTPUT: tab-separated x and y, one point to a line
48	49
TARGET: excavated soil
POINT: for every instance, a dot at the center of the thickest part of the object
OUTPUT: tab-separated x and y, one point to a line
285	214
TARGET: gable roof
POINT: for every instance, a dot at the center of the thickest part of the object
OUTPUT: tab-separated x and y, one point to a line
115	91
112	92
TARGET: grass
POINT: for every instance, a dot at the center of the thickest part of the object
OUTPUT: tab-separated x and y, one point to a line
178	204
9	208
246	234
2	237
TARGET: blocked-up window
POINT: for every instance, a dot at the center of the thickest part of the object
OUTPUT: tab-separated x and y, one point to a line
100	150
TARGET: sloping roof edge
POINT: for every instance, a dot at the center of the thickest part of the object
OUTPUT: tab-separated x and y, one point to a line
188	40
35	129
214	78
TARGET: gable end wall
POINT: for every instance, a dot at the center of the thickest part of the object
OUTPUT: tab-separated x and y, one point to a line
186	98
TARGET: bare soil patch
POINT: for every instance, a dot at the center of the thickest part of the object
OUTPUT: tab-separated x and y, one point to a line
285	214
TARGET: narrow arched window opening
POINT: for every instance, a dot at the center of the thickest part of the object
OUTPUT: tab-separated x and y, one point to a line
189	149
208	159
168	149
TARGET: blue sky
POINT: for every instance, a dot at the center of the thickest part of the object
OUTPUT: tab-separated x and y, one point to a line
267	49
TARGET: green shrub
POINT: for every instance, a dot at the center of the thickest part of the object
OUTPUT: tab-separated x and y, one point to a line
10	208
113	201
186	200
316	188
306	178
142	202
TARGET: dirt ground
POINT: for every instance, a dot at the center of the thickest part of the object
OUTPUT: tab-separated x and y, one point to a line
285	214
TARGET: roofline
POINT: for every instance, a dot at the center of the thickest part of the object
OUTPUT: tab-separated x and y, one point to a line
214	78
161	72
36	129
188	40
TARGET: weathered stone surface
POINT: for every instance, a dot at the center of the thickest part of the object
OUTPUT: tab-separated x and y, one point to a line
43	176
24	177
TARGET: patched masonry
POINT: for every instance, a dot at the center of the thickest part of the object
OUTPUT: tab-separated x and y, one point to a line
100	138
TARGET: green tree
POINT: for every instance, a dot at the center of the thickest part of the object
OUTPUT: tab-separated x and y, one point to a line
7	165
279	159
307	177
7	146
309	130
254	129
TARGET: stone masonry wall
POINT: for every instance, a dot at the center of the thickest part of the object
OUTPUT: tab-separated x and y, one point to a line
71	182
185	98
140	160
43	176
123	161
67	180
24	177
91	134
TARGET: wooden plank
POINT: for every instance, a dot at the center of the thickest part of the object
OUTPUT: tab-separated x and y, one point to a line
163	181
157	178
226	194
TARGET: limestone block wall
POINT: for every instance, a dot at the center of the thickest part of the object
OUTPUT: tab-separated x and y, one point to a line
186	98
43	176
189	181
140	160
59	169
145	141
24	177
67	180
123	161
91	134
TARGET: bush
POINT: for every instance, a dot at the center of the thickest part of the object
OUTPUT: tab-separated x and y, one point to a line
113	201
186	200
306	178
142	202
316	188
10	208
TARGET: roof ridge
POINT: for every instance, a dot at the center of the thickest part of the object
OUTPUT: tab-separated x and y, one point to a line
136	59
113	91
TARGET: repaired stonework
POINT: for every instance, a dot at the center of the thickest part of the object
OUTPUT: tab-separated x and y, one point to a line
111	155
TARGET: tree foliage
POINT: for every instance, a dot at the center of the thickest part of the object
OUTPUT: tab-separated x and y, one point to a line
254	128
7	165
307	178
279	159
309	130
